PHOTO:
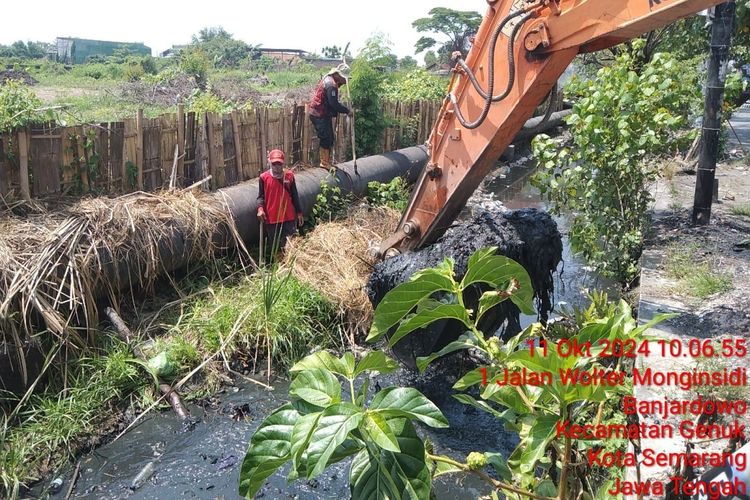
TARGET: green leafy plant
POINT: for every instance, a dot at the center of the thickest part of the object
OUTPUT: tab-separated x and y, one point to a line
208	102
19	106
319	427
196	63
330	204
367	83
416	85
541	464
620	121
394	194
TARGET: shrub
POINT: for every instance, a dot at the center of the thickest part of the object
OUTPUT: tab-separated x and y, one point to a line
620	121
416	85
367	96
19	106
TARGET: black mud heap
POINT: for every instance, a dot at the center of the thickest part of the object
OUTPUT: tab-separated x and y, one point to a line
528	236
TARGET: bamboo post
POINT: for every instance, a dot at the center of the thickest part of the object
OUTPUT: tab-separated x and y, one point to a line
139	147
83	164
23	154
238	146
181	139
203	146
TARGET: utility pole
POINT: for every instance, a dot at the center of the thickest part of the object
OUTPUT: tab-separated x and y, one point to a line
721	37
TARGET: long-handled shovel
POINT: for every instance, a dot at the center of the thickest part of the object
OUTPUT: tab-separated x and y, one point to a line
262	244
344	66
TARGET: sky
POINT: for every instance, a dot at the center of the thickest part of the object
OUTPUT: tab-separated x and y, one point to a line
300	24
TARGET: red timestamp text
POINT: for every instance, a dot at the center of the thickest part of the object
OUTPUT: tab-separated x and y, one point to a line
630	348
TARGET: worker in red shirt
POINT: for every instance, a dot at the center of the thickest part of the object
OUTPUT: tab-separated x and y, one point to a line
278	201
323	107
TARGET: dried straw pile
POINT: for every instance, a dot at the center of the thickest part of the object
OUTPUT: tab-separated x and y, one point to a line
335	259
53	265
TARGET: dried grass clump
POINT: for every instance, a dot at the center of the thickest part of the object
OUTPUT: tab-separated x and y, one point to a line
335	259
53	265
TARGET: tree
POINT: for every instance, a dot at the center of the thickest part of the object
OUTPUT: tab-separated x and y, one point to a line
621	121
430	59
333	52
377	52
24	50
407	62
221	48
456	25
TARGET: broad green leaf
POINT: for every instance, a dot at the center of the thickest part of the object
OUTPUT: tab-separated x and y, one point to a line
474	377
348	361
323	360
333	428
482	253
384	475
538	431
442	468
424	318
318	387
375	361
505	395
270	448
408	402
546	489
481	405
398	302
362	393
301	434
465	341
377	427
498	271
491	298
498	462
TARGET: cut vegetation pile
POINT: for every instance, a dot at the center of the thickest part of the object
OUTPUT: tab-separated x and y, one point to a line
335	259
53	265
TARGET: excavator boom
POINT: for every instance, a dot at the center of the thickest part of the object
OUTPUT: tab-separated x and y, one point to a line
521	49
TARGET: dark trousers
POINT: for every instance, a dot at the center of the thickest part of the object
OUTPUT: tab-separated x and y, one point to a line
324	130
275	235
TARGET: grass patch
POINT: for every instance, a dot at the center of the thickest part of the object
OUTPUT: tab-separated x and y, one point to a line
695	278
743	210
299	320
52	425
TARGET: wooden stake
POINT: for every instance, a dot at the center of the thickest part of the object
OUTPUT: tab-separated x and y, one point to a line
126	335
173	175
181	139
139	147
238	146
23	153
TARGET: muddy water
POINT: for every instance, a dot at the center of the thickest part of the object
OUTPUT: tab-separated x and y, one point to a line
203	461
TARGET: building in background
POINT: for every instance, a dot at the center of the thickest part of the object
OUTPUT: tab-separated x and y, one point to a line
78	50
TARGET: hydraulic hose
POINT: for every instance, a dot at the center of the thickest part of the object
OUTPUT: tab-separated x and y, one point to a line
488	96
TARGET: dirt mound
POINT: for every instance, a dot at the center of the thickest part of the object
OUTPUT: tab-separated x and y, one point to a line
14	74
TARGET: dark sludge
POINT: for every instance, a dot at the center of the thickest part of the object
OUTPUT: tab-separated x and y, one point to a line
528	236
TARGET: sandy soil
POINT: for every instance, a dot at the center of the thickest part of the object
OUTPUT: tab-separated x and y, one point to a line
723	244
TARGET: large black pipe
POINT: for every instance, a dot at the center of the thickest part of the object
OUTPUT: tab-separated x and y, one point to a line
407	162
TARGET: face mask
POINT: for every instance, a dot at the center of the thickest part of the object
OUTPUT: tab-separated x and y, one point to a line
277	171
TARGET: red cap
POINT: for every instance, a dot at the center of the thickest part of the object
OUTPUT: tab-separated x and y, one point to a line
275	156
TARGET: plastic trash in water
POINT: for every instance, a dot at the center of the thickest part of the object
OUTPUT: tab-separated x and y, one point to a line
56	485
143	476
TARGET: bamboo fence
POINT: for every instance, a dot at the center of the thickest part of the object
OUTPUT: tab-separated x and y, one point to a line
138	154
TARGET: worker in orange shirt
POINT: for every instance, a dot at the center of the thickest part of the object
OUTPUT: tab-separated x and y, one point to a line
279	208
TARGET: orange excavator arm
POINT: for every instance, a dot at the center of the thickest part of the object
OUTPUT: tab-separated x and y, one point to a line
520	51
